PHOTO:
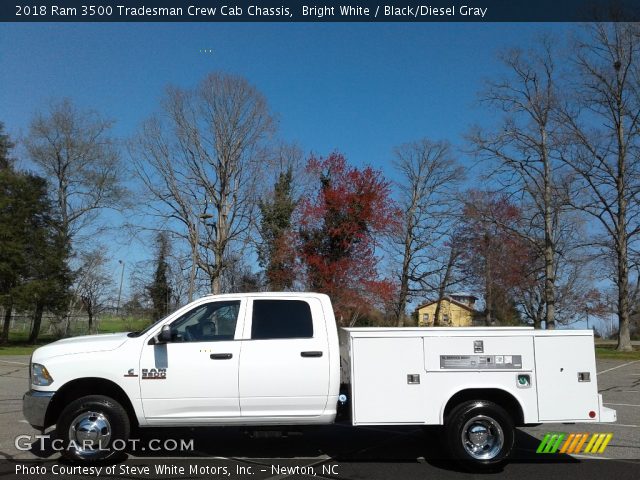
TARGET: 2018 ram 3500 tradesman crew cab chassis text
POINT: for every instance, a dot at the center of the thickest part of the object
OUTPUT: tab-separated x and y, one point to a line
278	359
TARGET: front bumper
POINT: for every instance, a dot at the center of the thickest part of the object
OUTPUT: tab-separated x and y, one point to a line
34	407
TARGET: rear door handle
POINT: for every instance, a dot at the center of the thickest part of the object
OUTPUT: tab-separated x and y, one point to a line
221	356
311	354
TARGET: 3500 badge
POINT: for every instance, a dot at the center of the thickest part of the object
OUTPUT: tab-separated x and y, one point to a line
154	374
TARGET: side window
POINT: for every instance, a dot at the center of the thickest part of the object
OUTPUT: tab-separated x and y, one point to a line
281	319
206	323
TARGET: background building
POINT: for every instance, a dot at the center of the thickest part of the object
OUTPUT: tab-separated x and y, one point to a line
456	310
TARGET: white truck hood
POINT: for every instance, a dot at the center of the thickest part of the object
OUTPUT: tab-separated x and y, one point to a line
83	344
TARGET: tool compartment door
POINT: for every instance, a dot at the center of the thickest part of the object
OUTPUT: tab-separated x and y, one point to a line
559	361
381	389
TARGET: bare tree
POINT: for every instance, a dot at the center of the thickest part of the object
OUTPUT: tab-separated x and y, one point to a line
80	159
200	163
602	126
430	176
75	151
94	285
573	290
525	150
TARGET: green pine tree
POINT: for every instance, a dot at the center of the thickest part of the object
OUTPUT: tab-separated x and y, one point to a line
275	253
160	290
34	275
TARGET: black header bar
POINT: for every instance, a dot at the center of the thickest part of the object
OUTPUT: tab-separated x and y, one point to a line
318	11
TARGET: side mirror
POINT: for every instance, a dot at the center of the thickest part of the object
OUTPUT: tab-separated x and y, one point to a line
165	334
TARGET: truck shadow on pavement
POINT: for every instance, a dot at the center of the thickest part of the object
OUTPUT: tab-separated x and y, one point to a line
337	443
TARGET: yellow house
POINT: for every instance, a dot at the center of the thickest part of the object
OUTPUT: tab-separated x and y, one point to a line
455	311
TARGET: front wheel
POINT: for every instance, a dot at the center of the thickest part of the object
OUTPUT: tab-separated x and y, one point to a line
89	426
479	433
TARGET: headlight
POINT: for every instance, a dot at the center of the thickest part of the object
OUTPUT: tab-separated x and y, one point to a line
40	376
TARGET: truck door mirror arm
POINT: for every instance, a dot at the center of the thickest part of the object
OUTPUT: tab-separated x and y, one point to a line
163	337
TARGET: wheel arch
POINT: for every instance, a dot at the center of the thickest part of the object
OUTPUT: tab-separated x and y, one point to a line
500	397
81	387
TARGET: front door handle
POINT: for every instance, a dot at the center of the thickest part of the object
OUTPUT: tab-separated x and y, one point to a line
221	356
311	354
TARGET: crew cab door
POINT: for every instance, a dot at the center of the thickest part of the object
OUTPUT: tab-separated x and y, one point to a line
284	366
195	375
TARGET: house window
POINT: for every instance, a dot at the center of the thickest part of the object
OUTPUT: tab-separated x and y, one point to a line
425	318
445	318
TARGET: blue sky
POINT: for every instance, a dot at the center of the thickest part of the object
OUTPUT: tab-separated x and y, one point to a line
358	88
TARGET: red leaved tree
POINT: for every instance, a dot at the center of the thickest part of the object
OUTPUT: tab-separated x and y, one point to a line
339	226
495	258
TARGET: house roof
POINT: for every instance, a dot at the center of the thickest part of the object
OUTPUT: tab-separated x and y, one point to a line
463	295
447	299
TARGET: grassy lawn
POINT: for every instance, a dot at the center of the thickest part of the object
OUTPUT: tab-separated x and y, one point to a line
609	351
18	340
128	324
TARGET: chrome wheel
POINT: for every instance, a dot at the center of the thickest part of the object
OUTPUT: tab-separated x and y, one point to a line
90	433
482	437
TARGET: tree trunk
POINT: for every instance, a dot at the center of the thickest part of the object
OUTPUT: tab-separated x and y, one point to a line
215	283
37	321
436	315
90	314
442	288
549	247
193	241
624	337
488	296
7	324
538	316
404	284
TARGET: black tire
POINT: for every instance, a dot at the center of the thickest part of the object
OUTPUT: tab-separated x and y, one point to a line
479	434
88	427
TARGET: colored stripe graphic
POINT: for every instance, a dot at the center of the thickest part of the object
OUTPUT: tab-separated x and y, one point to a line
543	443
582	442
594	437
557	444
570	439
596	445
601	442
573	442
550	443
606	442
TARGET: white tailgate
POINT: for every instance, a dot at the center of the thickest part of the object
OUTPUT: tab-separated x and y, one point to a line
381	393
559	359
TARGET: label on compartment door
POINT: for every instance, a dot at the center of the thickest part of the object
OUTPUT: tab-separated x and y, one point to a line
481	362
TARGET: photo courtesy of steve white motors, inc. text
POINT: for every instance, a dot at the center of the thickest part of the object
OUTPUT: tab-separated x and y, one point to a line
169	469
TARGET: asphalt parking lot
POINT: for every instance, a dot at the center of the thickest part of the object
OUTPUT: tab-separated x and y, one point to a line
341	451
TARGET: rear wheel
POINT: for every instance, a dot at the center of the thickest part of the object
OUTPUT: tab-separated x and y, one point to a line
479	433
90	425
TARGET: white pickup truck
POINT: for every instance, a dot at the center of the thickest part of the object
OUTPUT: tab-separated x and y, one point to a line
278	359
